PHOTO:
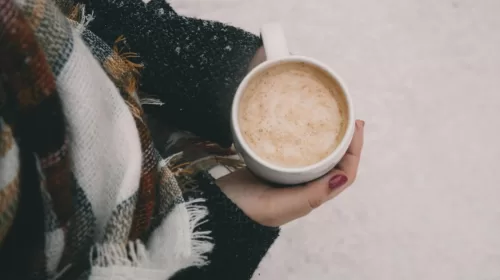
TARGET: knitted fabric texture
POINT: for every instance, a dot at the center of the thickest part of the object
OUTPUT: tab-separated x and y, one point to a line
192	66
98	201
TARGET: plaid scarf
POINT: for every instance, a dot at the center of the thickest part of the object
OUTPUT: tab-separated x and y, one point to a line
83	192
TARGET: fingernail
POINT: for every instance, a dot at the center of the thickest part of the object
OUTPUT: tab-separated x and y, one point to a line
360	124
337	181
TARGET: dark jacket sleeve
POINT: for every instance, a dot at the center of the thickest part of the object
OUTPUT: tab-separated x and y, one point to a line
194	66
240	243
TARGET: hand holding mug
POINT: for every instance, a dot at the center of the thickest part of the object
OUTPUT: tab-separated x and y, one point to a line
292	122
271	206
292	117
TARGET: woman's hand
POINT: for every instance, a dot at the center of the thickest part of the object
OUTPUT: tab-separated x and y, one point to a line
271	206
259	57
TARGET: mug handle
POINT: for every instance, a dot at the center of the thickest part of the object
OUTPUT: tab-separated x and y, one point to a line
274	41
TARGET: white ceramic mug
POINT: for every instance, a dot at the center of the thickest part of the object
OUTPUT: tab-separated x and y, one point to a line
277	52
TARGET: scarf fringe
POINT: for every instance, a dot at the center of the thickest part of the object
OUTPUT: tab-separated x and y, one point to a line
81	19
135	255
151	101
131	254
201	242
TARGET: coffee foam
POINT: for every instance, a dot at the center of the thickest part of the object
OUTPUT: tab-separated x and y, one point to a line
293	115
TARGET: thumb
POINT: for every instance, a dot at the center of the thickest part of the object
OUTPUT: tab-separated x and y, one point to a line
292	203
326	188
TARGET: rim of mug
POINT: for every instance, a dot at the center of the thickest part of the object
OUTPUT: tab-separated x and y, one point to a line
327	160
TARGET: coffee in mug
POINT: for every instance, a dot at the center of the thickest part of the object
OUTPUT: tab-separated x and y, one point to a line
292	114
292	118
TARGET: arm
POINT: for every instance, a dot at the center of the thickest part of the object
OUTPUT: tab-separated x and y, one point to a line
240	243
193	66
240	205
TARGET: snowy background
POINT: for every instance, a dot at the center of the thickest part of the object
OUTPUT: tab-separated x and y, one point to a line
425	75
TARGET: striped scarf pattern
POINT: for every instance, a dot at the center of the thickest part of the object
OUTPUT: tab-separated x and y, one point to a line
70	118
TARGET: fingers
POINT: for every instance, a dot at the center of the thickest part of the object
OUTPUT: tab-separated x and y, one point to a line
350	162
357	141
326	188
260	56
292	203
287	204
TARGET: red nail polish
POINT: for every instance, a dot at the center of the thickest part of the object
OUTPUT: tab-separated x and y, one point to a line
337	181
